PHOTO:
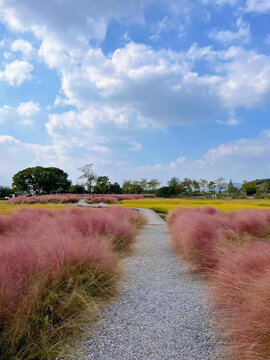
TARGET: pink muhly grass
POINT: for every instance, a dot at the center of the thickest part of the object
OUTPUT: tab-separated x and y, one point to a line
249	221
39	240
73	198
195	235
52	267
198	233
241	293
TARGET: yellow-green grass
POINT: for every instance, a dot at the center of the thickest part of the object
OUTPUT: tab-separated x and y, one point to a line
7	209
165	205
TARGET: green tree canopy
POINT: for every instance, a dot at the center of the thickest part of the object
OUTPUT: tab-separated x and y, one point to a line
77	189
133	186
102	185
153	184
250	188
115	188
175	186
41	180
5	191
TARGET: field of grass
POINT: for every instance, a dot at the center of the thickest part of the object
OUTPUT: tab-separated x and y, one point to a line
165	205
7	209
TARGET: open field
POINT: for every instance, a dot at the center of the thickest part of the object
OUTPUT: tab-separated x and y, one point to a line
165	205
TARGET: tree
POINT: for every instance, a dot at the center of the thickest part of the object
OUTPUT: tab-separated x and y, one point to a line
264	188
5	191
175	186
77	189
232	190
250	188
41	180
102	185
211	187
115	188
186	186
127	187
132	187
143	184
196	187
164	191
88	176
153	184
203	185
221	184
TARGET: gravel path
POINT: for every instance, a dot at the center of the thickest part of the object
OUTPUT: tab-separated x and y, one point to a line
161	312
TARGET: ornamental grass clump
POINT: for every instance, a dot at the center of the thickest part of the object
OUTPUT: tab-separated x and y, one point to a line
195	235
54	267
234	251
241	295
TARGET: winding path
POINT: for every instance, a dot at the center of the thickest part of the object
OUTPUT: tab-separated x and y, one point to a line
161	312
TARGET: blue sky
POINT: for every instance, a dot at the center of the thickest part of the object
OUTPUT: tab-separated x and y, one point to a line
140	88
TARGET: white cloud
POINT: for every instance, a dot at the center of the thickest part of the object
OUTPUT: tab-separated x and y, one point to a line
247	82
242	34
230	122
221	2
27	122
17	72
179	161
135	146
239	160
151	168
28	109
157	86
7	139
258	6
70	22
23	46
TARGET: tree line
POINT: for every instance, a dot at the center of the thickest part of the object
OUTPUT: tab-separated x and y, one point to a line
42	180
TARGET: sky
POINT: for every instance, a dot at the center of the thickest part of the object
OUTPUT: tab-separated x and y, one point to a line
140	88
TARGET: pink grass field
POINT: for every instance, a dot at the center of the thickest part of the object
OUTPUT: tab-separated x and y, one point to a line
38	244
233	250
73	198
